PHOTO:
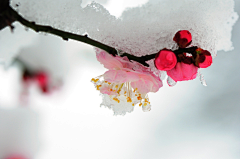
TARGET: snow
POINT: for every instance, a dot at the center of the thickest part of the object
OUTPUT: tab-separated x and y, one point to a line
140	30
19	132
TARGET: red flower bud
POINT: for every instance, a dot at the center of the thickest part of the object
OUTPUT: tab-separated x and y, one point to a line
203	59
207	62
183	72
183	38
42	79
165	60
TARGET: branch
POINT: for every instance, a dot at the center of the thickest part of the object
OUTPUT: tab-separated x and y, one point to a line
5	20
63	34
9	15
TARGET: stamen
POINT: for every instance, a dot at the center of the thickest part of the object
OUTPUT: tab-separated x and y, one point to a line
94	80
129	99
139	98
98	86
117	100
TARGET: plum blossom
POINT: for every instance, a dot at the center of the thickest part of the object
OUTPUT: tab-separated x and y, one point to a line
125	84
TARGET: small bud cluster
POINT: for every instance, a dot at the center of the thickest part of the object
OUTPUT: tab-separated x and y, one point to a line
182	64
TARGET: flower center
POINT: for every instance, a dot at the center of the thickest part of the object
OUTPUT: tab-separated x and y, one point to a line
121	92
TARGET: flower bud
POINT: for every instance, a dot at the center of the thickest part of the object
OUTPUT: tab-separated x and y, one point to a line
183	38
42	79
165	60
203	58
183	72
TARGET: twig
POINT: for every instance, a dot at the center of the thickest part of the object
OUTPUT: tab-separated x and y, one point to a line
9	12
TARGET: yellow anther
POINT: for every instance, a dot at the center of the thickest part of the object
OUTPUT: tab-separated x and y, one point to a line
129	99
98	86
117	100
105	81
145	104
109	83
139	98
116	86
125	92
94	80
135	94
140	104
111	90
133	104
146	100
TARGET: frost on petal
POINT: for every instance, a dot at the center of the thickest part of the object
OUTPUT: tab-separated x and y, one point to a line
109	61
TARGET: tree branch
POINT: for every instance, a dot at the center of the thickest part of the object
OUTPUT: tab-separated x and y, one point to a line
9	15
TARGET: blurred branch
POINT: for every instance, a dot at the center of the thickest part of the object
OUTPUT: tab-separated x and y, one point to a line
5	19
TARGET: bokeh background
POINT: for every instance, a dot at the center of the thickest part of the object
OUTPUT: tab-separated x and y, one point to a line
187	121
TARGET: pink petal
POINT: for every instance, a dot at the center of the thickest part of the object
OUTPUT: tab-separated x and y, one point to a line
116	76
109	61
146	83
183	72
105	89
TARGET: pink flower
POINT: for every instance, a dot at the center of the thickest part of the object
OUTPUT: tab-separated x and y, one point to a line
125	82
165	60
183	72
183	38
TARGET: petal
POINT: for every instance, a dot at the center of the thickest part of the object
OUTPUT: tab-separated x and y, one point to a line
109	61
116	76
183	72
147	83
105	89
